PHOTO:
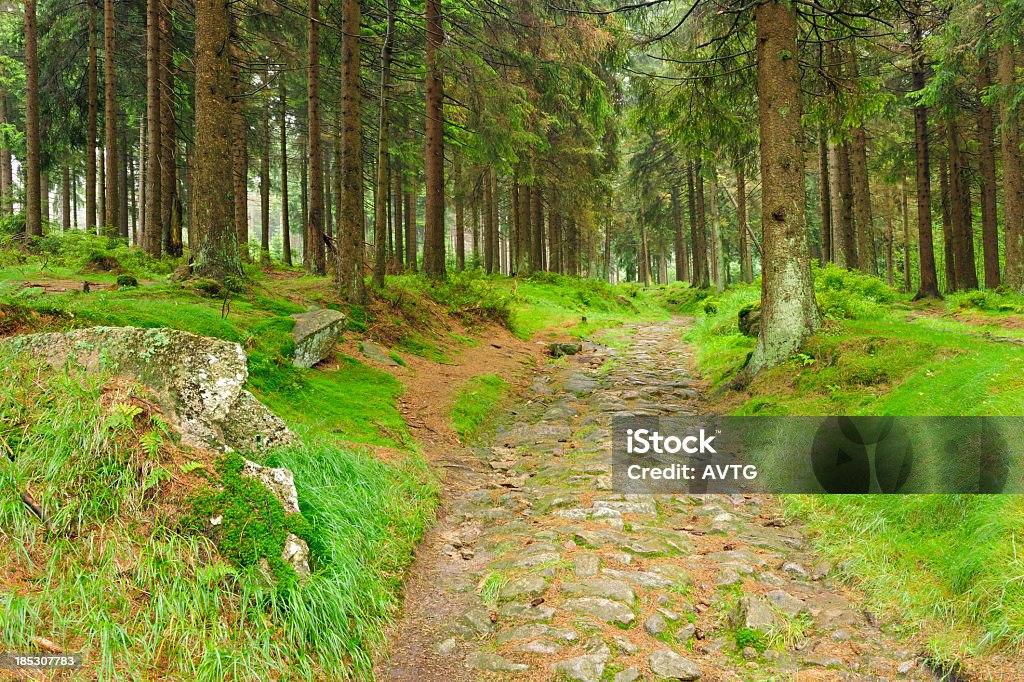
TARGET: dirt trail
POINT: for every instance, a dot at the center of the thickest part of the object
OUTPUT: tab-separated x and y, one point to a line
538	571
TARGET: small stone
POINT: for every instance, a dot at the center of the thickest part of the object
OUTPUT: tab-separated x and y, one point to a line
655	624
794	569
604	609
668	665
905	667
529	585
534	630
446	647
605	588
527	612
586	565
539	646
686	633
377	354
786	603
624	645
315	334
485	660
728	577
823	660
586	668
477	620
749	653
627	675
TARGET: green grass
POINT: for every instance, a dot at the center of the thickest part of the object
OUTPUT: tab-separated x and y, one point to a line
949	565
476	402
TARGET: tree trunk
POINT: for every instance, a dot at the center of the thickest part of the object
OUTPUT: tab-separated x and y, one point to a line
929	279
433	237
489	246
111	221
398	198
889	275
460	212
122	185
859	180
789	313
848	236
960	195
1013	173
495	225
700	239
380	192
286	231
571	250
905	204
987	166
65	198
240	161
350	218
524	232
411	236
746	260
44	197
33	216
212	190
6	175
315	260
681	255
153	233
143	157
825	189
265	174
716	274
949	255
91	96
172	238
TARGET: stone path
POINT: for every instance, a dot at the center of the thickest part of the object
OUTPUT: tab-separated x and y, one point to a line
539	571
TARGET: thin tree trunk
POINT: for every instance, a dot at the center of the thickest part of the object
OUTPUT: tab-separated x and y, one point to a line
960	194
398	198
987	166
111	221
847	225
44	197
350	218
286	231
700	239
91	96
859	180
143	160
212	188
433	234
240	165
789	313
905	204
380	193
122	186
172	238
265	174
929	280
65	198
948	253
1013	173
825	189
6	175
314	235
153	233
691	195
746	260
681	255
889	274
460	210
33	216
411	236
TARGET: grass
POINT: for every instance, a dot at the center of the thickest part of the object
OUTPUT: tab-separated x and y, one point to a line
948	564
476	403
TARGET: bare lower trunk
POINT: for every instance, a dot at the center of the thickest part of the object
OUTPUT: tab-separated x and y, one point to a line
315	259
111	221
65	198
433	233
1013	173
91	95
380	192
265	175
153	233
286	231
33	208
929	280
789	313
825	189
960	196
681	255
172	238
350	219
949	255
987	167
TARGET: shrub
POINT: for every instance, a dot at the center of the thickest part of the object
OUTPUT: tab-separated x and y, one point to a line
126	281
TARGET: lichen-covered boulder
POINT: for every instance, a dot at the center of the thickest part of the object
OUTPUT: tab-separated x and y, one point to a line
281	482
315	334
197	380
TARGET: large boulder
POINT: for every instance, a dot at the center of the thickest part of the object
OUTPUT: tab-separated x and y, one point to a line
197	380
315	334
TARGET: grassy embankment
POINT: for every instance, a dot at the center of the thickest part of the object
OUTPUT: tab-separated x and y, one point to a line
949	565
121	576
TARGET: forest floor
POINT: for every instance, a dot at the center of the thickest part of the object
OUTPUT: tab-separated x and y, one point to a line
537	570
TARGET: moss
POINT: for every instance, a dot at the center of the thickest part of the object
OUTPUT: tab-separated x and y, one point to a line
253	523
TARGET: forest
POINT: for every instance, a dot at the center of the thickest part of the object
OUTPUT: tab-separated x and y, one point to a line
451	241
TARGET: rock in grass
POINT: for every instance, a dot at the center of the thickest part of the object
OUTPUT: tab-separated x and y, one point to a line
586	668
315	334
560	349
377	354
604	609
668	665
197	381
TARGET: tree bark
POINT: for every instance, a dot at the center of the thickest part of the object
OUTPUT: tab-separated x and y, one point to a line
91	96
6	168
460	212
905	205
889	275
315	260
948	252
681	255
172	238
153	233
929	279
33	215
350	219
489	246
960	196
691	195
398	198
212	188
111	221
537	224
987	167
859	180
1013	173
265	173
286	231
240	161
789	313
700	238
433	233
825	189
411	236
380	192
65	198
746	260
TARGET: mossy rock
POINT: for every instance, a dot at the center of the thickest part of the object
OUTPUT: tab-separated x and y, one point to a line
127	281
749	319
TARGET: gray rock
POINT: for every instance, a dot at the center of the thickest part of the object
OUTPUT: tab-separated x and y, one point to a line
535	630
673	572
586	565
641	578
625	645
604	609
491	662
655	624
754	613
823	660
586	668
627	675
786	603
686	633
728	576
377	354
539	646
580	385
537	613
529	585
446	647
749	319
601	587
197	381
315	334
668	665
558	349
478	621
